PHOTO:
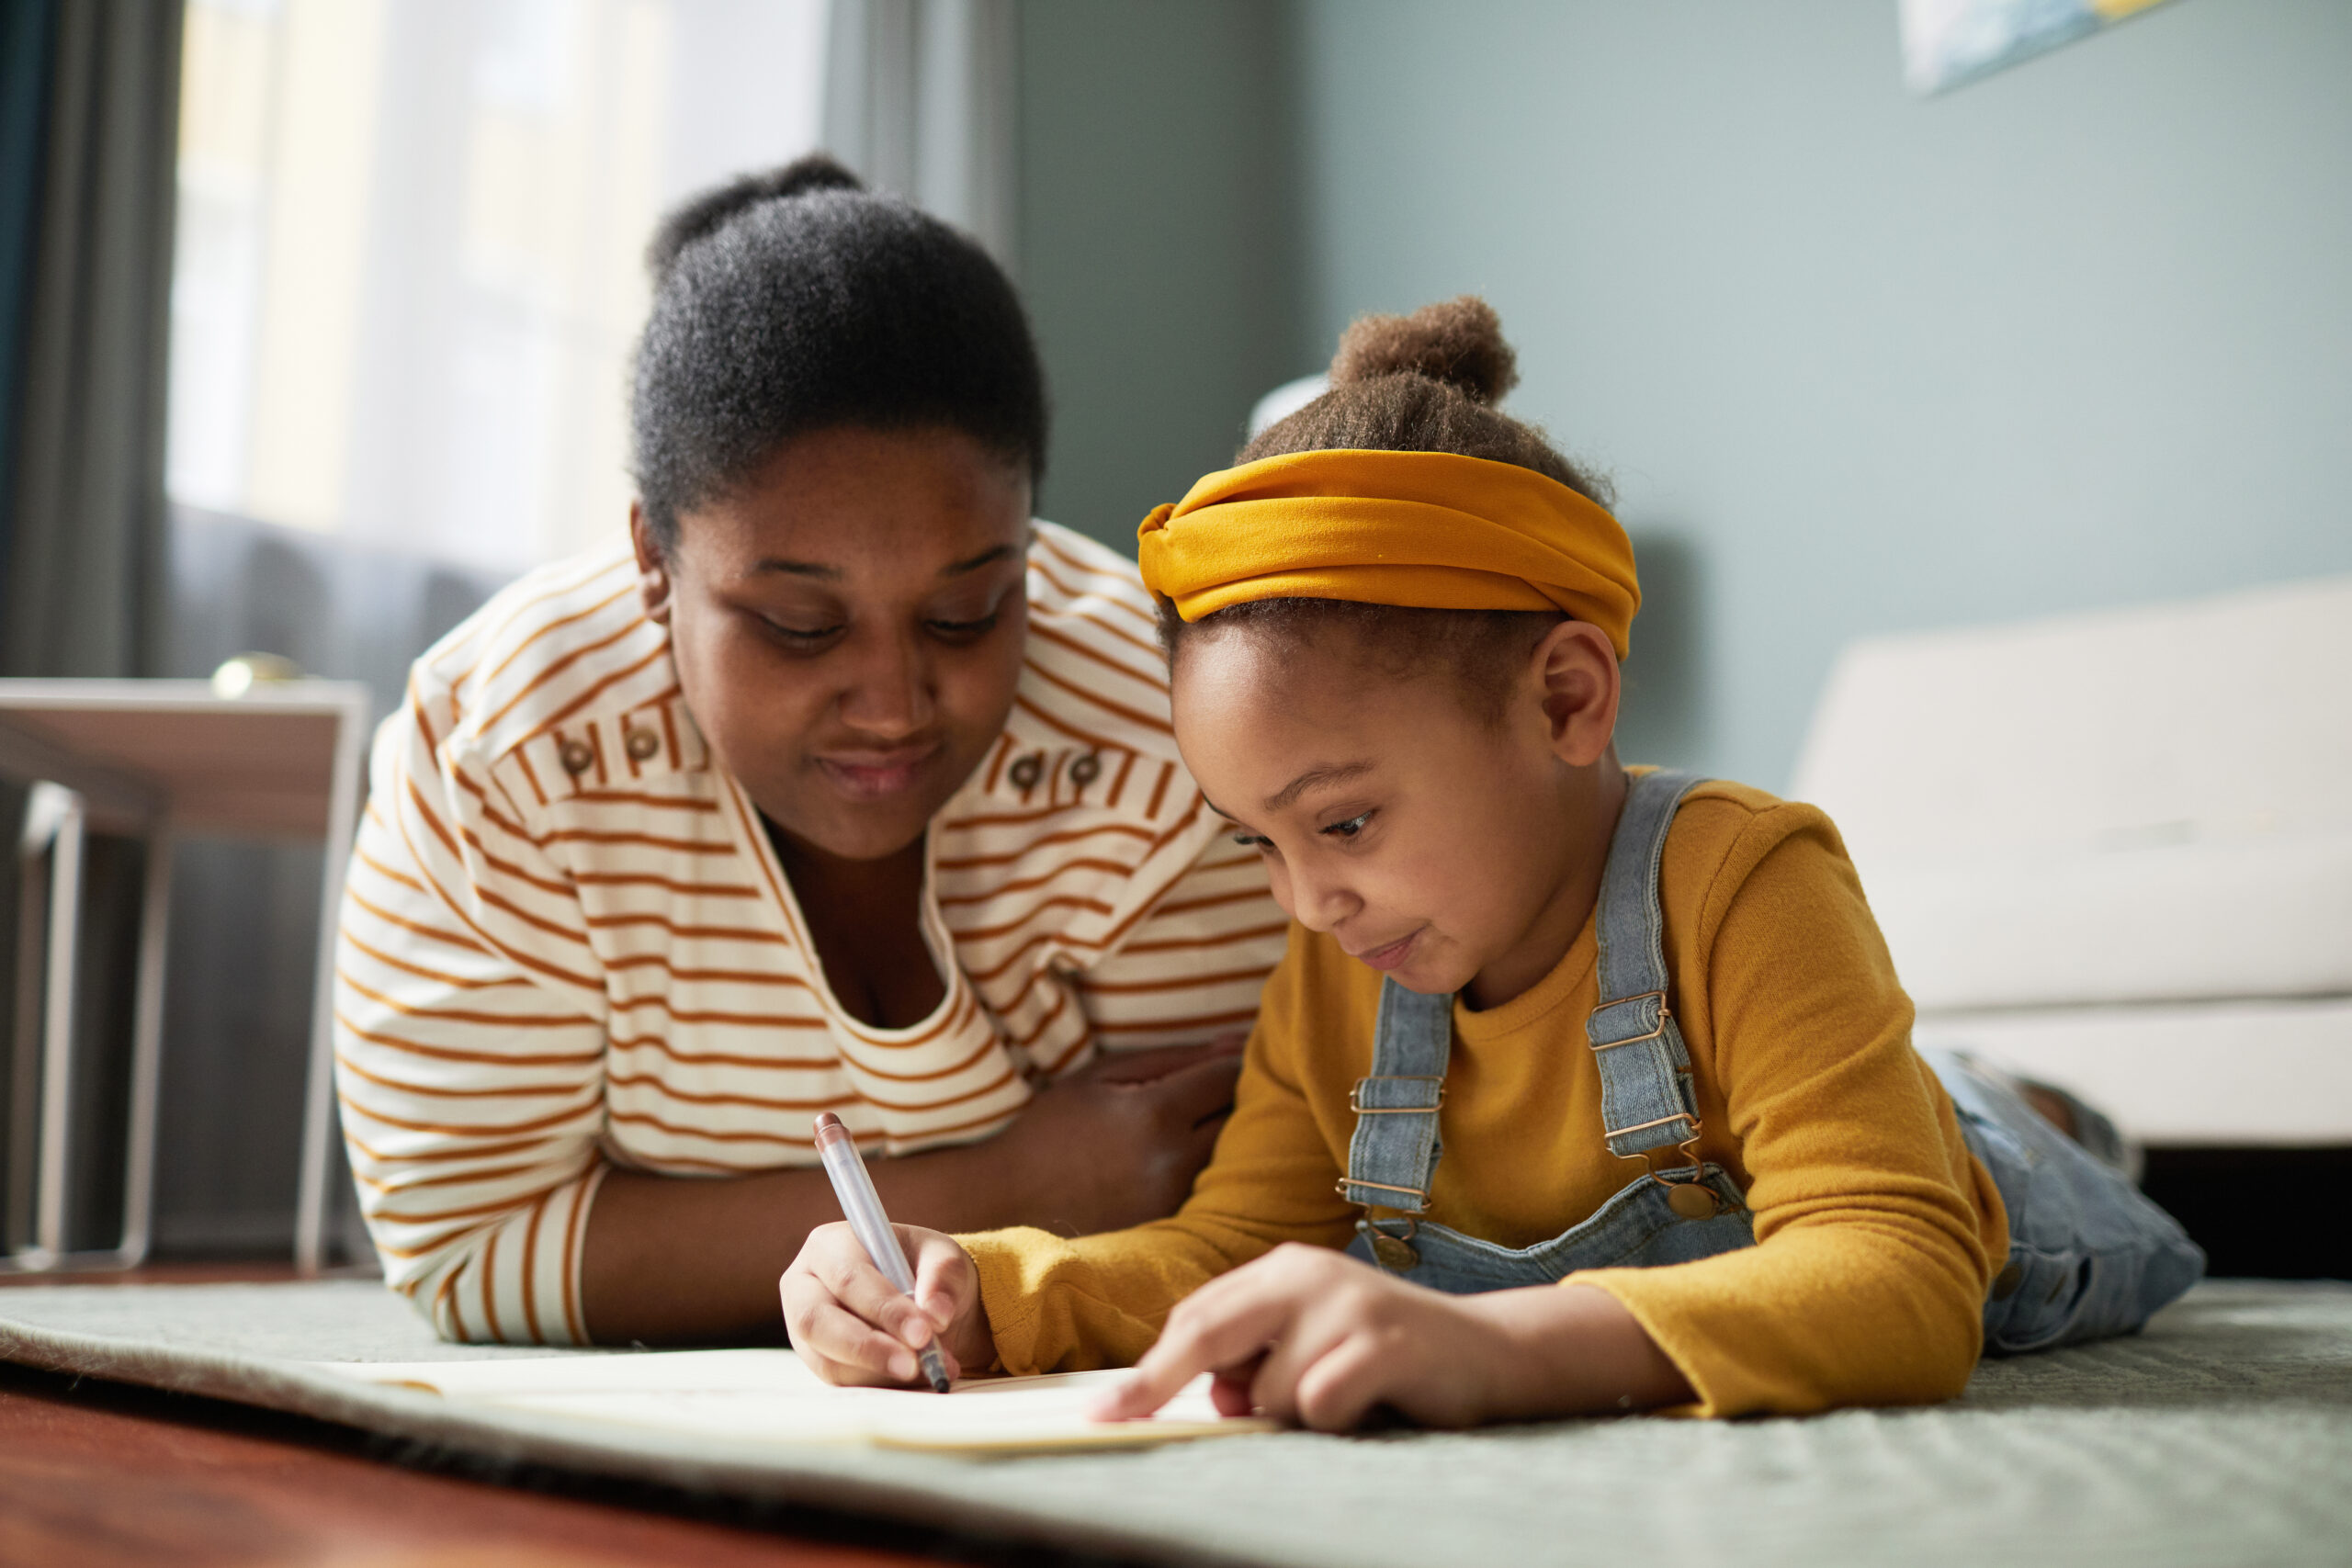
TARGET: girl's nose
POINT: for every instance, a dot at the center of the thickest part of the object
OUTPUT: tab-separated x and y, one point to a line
888	694
1319	903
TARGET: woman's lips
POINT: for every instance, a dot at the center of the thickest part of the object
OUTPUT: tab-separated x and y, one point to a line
877	775
1391	956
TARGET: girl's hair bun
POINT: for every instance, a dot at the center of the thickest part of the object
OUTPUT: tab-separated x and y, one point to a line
1458	343
708	212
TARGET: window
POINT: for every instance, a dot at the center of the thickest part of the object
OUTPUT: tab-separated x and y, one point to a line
409	270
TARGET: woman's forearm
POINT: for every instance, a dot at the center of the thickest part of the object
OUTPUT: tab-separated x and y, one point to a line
672	1260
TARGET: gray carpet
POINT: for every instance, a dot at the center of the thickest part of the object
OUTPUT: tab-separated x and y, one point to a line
2222	1434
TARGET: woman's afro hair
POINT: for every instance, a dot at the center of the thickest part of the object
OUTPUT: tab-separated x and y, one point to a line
798	301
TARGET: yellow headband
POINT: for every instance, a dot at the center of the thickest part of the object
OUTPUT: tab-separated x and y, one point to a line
1431	530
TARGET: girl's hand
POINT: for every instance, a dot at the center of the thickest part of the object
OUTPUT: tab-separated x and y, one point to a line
1311	1337
851	1325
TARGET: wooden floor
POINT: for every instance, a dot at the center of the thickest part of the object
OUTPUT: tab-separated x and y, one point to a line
102	1475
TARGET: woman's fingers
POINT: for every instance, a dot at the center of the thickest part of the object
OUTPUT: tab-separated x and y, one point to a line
1201	1094
1157	1062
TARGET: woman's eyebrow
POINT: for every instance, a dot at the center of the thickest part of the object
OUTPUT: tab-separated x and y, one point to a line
797	569
985	558
834	573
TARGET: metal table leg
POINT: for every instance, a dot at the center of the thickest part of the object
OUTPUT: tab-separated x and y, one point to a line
62	816
322	1154
57	828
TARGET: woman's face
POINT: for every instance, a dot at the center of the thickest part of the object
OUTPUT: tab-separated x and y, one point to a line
848	628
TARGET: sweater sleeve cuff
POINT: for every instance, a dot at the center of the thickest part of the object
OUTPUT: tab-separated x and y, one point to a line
1705	1371
515	1281
1009	1264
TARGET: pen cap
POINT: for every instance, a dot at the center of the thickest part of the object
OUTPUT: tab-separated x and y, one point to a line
861	1205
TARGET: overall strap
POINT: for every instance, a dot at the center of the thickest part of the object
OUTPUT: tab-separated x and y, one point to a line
1648	1101
1394	1152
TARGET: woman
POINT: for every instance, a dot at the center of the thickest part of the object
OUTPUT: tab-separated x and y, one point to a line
845	788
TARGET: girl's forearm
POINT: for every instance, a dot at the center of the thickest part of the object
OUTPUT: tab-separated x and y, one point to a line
1573	1350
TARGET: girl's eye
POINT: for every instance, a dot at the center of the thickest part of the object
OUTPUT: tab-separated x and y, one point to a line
1348	829
1253	841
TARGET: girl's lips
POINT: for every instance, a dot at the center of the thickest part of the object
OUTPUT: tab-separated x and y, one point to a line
876	776
1392	955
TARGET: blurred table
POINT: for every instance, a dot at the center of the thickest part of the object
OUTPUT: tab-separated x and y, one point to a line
149	760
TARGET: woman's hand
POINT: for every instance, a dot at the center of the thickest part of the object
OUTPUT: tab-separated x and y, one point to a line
1119	1143
1313	1337
853	1326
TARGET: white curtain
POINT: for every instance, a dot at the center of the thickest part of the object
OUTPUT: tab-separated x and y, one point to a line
919	98
409	267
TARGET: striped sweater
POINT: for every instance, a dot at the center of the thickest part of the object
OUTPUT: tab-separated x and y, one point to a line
566	944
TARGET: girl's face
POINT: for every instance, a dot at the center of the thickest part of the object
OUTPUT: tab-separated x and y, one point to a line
848	628
1450	852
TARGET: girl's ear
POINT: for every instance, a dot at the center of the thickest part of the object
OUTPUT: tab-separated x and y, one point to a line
1576	669
652	565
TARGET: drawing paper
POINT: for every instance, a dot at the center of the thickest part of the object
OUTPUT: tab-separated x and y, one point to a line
767	1396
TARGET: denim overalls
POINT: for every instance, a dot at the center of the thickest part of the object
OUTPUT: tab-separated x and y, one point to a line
2089	1256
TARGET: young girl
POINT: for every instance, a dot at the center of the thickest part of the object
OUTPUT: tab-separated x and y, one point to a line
1579	1088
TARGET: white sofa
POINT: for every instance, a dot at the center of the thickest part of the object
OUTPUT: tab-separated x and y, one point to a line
2115	850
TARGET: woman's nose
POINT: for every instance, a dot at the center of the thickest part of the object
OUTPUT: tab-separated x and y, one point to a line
888	694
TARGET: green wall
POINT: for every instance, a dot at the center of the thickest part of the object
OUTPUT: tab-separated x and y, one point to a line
1159	240
2077	334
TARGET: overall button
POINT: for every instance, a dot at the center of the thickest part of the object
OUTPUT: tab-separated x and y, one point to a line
1086	770
1692	1201
1396	1256
576	757
1026	770
642	744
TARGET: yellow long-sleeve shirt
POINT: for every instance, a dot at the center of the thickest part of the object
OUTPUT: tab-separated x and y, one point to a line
1877	1230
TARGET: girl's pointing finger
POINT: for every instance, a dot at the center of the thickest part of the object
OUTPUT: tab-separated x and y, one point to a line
1212	1332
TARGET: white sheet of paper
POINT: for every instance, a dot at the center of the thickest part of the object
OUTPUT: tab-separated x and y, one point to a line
767	1396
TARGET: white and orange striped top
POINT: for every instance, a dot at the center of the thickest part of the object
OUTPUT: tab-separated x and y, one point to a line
567	944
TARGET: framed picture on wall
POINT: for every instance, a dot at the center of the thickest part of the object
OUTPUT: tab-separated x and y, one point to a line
1947	42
